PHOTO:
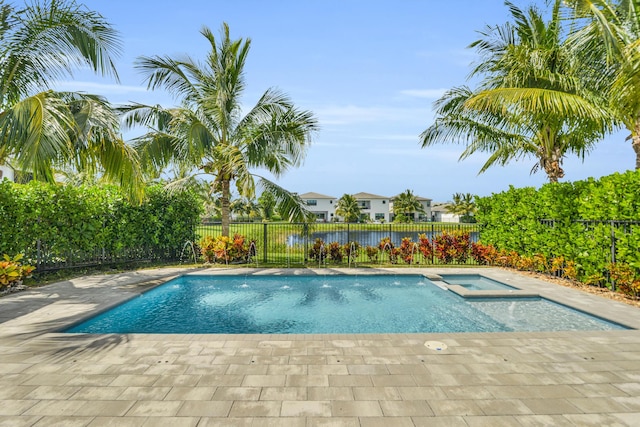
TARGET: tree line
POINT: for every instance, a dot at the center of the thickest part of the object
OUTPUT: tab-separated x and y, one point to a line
552	83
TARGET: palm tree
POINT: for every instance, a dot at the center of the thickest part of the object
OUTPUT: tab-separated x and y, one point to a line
43	130
407	205
245	207
348	208
208	133
609	44
267	203
530	101
463	206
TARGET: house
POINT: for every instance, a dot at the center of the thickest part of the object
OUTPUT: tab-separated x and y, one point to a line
439	213
373	207
417	216
323	206
7	172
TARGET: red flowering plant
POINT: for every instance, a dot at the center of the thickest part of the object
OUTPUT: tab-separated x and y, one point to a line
372	253
407	250
451	247
386	245
318	252
13	272
394	254
425	247
335	251
507	258
483	254
626	278
352	250
225	249
561	267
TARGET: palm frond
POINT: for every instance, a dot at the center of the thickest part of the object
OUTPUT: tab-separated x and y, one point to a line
290	205
47	40
35	132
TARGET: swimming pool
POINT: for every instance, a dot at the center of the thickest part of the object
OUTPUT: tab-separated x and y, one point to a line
327	304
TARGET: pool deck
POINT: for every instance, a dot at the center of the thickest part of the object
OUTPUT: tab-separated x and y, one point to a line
456	379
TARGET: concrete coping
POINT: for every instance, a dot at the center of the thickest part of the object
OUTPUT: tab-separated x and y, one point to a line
507	293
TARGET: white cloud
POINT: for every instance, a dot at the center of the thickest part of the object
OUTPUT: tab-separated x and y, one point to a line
424	93
99	88
350	114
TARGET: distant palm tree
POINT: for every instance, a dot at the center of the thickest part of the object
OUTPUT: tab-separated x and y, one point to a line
43	130
531	101
463	205
245	207
208	132
407	205
348	208
267	203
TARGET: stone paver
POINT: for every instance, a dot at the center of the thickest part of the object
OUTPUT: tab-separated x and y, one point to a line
482	379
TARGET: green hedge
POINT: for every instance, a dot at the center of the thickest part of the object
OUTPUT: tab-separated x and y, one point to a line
71	221
581	229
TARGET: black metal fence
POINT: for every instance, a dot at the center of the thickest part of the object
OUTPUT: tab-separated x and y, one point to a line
46	259
608	237
289	243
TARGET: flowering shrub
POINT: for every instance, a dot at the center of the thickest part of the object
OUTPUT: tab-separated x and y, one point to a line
386	245
407	250
483	254
318	252
372	253
451	247
12	272
225	249
563	268
626	279
394	254
335	252
425	247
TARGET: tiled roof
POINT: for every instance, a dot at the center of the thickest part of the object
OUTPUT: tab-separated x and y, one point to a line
368	196
312	195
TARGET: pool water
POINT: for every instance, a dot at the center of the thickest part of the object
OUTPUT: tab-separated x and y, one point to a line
475	282
327	304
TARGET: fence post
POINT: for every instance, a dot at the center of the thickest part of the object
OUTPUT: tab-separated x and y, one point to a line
305	233
264	243
613	251
432	240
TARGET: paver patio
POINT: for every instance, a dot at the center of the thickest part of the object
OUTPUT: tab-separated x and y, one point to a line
481	379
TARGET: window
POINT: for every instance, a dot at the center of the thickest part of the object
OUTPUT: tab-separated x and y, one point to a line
312	202
379	216
364	204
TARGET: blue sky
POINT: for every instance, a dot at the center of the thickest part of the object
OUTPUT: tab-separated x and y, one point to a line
369	70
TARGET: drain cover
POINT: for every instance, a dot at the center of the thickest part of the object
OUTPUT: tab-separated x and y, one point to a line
435	345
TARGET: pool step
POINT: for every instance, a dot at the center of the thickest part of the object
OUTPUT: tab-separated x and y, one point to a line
510	293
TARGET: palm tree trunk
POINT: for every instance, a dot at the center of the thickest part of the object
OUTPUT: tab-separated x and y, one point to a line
553	165
225	206
635	143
